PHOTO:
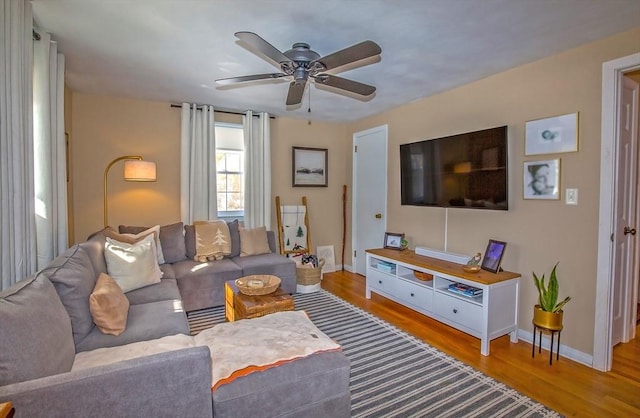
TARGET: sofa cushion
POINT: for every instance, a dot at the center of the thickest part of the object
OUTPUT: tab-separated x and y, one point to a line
132	266
145	322
190	239
74	278
109	306
95	250
254	241
171	238
202	284
36	339
167	289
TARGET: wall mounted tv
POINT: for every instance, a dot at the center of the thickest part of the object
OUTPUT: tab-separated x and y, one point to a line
467	170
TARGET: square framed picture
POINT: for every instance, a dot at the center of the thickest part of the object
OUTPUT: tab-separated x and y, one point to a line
552	135
393	240
542	179
493	256
309	167
326	253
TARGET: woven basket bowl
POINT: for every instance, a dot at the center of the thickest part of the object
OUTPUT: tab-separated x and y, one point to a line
422	276
257	285
471	269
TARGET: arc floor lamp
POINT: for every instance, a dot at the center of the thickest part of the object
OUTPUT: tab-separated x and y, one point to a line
135	169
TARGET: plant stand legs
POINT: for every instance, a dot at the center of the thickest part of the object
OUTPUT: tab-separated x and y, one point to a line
540	329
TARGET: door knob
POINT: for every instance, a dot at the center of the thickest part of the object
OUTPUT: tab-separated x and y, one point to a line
628	230
378	216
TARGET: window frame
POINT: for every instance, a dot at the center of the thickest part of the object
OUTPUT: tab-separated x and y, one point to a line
230	214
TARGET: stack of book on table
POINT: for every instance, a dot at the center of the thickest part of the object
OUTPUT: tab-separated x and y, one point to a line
385	266
465	290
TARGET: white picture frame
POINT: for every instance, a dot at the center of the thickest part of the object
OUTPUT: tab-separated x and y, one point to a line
326	252
542	179
552	135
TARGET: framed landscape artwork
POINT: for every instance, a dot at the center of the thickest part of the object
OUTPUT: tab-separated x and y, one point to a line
309	167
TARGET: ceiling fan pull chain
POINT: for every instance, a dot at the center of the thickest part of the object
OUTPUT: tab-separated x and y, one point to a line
309	108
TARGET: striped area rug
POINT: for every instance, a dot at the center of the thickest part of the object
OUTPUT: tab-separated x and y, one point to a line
394	374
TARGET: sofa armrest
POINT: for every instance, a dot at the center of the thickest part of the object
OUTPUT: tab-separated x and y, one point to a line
171	384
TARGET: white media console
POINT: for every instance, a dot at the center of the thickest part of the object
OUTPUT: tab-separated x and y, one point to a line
481	304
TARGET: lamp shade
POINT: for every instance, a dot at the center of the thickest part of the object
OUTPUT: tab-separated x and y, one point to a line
138	170
462	168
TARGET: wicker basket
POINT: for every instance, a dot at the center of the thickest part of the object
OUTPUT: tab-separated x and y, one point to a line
422	276
258	285
309	275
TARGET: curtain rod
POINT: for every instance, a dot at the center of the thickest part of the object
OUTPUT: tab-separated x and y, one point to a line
199	107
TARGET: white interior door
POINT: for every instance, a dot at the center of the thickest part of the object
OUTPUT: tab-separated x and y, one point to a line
623	325
370	193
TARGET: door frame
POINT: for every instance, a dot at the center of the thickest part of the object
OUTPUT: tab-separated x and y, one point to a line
611	78
354	185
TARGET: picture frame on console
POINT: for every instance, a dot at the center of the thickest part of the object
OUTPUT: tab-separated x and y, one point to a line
552	135
493	256
309	167
393	241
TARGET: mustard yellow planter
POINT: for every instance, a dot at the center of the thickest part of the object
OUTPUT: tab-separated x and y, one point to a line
548	320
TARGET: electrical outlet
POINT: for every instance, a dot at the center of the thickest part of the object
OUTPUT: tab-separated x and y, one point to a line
571	196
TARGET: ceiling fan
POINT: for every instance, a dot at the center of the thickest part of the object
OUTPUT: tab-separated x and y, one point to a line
302	63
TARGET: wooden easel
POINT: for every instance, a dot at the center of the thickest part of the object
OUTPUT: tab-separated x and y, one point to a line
306	250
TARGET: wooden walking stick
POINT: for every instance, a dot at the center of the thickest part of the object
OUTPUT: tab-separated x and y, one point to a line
344	220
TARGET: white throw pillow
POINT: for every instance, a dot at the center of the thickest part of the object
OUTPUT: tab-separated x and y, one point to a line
132	266
155	230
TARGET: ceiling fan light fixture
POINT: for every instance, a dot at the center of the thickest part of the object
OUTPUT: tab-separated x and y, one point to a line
301	62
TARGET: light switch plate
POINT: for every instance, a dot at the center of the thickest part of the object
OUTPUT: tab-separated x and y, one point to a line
571	196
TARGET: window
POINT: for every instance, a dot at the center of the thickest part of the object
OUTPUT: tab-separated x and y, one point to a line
230	170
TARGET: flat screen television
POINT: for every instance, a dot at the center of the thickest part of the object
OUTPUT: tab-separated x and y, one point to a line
467	170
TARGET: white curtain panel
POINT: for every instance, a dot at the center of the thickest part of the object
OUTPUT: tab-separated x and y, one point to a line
198	191
50	162
257	175
17	220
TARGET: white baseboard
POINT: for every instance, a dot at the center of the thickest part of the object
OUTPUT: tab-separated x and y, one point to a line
565	351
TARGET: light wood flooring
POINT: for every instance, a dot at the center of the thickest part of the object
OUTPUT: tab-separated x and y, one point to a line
567	387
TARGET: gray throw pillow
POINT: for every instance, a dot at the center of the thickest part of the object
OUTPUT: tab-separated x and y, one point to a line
74	278
172	240
35	332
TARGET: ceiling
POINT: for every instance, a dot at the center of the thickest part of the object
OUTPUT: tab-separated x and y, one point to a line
173	50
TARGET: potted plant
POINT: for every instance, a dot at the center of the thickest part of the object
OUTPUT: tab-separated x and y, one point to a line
548	312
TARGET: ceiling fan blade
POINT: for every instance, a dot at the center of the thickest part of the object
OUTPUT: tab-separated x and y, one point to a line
345	84
296	90
255	77
348	55
263	46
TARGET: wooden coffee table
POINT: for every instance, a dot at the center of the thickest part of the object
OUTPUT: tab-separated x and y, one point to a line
240	306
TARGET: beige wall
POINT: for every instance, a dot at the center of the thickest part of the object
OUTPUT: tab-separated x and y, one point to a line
107	127
538	233
324	203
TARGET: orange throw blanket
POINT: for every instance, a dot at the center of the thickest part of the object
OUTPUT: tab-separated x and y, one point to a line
243	347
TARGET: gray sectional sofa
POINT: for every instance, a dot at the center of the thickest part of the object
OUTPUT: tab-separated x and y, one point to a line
45	322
